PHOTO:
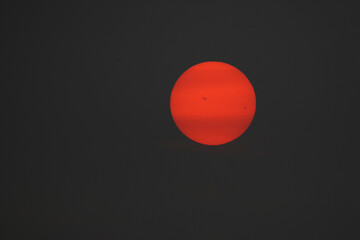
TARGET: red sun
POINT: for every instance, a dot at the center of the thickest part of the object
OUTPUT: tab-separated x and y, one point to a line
213	103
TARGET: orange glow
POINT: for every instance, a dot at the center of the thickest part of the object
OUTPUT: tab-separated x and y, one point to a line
213	103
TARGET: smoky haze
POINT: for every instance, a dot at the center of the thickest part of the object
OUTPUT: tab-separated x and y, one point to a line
89	149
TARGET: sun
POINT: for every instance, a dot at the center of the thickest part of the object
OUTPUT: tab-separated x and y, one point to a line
213	103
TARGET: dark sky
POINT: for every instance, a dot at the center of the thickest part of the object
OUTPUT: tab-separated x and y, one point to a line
89	149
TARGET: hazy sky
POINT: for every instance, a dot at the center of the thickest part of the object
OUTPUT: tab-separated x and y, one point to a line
89	149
